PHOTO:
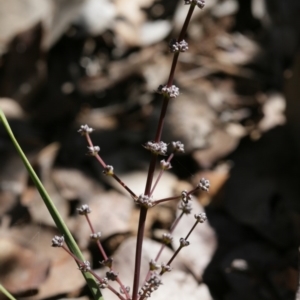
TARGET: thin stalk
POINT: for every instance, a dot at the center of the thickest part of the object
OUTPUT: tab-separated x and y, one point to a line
160	174
175	223
143	210
166	200
98	241
61	225
138	252
90	271
104	166
180	247
175	197
194	226
172	258
105	257
125	186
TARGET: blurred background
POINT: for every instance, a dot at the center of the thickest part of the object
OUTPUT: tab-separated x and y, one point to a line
65	63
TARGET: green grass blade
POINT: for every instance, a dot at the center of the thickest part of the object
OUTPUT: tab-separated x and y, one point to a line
53	211
6	293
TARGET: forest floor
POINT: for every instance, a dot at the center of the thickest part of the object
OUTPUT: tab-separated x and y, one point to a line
68	63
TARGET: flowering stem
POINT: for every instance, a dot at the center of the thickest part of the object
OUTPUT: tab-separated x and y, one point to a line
173	257
194	226
175	223
123	288
186	22
80	263
105	256
165	200
160	174
98	241
180	247
104	166
125	186
143	210
193	190
174	198
138	253
162	118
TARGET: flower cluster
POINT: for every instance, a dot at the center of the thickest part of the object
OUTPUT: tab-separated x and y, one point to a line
184	242
153	265
85	266
58	241
107	263
145	201
85	129
103	284
167	238
165	268
150	286
127	288
186	203
199	3
171	92
111	275
109	170
178	147
201	218
181	46
93	150
159	148
204	184
165	165
186	207
84	209
95	236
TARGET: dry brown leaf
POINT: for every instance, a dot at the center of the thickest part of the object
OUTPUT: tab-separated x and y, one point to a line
50	271
74	184
22	269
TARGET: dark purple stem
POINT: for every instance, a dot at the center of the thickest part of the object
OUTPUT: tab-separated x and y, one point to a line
172	258
124	186
180	247
160	174
104	165
98	242
143	210
138	253
175	223
166	199
105	257
194	226
80	263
